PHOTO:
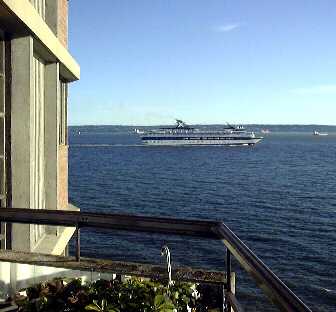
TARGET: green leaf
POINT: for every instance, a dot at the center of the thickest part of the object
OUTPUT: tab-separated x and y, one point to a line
163	304
159	300
93	307
113	309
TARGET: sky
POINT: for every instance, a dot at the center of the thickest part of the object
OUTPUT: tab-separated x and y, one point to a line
147	62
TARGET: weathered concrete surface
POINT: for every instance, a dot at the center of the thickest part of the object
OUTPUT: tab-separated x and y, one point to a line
51	133
22	97
57	19
63	177
51	16
51	138
55	245
2	120
63	22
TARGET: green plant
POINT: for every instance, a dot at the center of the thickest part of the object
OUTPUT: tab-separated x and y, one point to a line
162	303
103	307
132	295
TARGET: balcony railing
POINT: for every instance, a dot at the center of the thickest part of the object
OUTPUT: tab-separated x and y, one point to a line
273	287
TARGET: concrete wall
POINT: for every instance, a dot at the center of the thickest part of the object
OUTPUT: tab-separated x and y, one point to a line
30	94
22	97
14	277
63	176
38	159
21	17
40	6
31	140
57	19
2	123
29	98
51	135
63	21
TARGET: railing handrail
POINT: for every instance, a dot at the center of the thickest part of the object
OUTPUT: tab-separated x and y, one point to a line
126	222
277	291
271	284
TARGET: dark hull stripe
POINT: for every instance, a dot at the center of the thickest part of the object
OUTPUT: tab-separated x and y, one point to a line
196	144
198	138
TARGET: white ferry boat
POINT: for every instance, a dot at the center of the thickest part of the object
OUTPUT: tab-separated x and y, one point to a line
182	134
319	133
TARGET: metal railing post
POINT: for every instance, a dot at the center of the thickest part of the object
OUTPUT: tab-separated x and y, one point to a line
228	280
224	299
77	243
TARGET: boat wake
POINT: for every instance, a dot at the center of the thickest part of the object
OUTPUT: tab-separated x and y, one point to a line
329	291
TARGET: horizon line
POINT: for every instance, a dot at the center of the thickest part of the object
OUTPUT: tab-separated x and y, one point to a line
202	124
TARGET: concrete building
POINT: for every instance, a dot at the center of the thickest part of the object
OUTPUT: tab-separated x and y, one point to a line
35	69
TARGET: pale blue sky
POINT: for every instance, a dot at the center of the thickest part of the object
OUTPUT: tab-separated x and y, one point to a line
147	62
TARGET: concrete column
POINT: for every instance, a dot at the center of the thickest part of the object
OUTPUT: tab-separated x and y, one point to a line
22	99
52	95
3	180
2	122
52	103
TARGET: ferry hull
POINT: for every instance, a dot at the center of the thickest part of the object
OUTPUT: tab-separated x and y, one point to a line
223	142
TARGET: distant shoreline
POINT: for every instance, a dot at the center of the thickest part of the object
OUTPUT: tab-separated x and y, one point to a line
213	125
264	129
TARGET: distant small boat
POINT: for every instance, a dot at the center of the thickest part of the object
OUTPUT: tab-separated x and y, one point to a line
265	131
319	133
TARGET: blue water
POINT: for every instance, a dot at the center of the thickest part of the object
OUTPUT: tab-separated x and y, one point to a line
279	197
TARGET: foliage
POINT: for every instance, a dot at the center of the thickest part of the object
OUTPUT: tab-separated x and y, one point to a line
132	295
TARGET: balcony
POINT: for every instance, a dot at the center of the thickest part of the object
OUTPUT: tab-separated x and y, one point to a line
276	291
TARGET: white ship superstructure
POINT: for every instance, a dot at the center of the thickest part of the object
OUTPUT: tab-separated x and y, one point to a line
319	133
183	134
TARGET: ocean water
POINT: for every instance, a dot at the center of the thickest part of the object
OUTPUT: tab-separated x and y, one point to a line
279	197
